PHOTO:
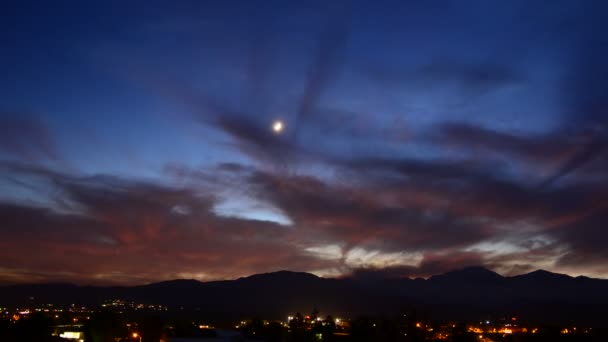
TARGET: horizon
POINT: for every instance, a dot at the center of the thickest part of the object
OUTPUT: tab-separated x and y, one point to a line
375	275
146	141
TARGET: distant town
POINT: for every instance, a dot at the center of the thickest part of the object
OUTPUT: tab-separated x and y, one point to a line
123	320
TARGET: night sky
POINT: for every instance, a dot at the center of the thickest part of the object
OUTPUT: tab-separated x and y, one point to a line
137	140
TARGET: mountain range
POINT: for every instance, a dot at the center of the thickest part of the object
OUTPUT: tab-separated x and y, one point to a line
467	294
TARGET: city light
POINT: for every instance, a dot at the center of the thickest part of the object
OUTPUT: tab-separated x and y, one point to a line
480	330
71	335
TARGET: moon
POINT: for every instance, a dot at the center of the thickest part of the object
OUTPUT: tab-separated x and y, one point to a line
277	126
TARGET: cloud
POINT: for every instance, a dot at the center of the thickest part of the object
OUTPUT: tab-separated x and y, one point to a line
245	114
392	216
476	77
533	149
469	80
330	48
26	138
555	154
589	151
584	94
125	226
584	240
359	217
430	264
346	188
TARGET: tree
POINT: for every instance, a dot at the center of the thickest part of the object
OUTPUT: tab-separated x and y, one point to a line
151	328
36	327
105	326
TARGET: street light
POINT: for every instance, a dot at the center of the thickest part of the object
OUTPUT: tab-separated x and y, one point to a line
136	335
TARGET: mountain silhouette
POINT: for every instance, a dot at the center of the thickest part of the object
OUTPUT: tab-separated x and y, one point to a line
475	273
469	293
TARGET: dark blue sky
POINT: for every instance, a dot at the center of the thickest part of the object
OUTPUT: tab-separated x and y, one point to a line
418	137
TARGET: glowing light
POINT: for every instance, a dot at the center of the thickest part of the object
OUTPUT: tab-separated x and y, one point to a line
278	126
135	335
71	335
